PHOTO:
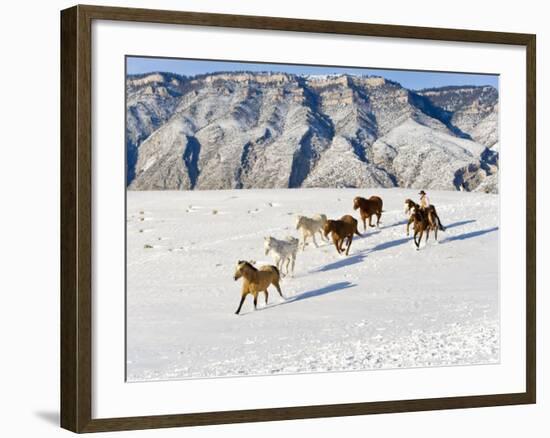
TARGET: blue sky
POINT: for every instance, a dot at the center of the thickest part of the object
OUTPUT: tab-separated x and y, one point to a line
410	79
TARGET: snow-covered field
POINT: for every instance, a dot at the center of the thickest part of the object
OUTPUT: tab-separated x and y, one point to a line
383	306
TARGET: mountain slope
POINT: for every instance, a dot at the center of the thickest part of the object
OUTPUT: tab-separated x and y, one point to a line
423	157
277	130
150	101
474	110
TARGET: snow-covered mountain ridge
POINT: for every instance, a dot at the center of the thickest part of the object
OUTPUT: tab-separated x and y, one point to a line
276	130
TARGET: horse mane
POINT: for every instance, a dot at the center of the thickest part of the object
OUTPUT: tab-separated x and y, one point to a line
244	262
409	201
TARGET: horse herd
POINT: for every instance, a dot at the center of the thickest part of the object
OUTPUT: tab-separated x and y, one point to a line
256	280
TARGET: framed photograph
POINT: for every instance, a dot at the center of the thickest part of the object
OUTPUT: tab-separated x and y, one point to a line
269	219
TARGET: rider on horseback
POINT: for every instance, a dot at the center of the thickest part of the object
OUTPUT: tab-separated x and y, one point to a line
429	209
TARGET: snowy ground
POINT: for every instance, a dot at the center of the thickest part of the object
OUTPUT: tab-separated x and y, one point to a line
383	306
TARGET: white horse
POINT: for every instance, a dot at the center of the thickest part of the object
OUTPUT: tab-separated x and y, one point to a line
281	251
309	226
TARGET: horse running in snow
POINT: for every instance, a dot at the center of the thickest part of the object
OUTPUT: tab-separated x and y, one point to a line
430	213
421	224
368	208
256	280
341	229
281	251
310	226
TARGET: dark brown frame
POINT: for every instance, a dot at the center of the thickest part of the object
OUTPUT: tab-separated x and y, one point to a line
76	218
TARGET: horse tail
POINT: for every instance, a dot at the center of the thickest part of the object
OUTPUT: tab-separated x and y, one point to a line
277	272
357	231
433	212
440	225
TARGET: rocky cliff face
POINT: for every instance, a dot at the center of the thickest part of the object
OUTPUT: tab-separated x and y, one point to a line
276	130
150	101
474	110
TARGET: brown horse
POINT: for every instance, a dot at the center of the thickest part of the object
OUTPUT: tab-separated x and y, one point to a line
341	229
429	212
256	280
421	224
368	208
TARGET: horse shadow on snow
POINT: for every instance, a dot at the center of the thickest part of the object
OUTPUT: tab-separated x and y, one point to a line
470	235
331	288
360	256
336	287
349	260
460	223
390	244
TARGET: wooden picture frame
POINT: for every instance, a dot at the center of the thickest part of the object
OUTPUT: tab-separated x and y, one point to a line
76	218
